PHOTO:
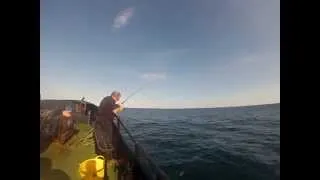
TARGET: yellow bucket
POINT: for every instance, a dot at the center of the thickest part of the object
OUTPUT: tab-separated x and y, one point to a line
95	168
92	167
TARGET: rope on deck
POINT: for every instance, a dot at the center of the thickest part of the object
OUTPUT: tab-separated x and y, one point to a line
86	140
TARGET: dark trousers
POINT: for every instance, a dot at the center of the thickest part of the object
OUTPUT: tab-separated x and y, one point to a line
103	135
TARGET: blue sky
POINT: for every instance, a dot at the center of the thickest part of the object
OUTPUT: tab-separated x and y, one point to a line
195	53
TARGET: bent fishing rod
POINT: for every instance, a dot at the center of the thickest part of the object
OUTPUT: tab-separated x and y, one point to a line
135	92
125	100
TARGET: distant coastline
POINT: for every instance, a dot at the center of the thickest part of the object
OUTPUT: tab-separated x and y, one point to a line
220	107
67	101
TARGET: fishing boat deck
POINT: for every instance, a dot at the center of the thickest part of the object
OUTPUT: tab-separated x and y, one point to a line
61	163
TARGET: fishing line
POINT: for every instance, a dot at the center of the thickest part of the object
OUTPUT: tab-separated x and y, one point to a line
135	92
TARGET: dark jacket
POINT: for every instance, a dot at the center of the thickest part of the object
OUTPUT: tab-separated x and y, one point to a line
106	107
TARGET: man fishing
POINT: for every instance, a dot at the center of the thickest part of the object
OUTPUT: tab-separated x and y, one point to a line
107	110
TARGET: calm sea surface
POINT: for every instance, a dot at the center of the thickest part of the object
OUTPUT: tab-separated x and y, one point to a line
241	143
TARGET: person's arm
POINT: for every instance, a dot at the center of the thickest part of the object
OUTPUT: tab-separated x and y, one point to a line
118	108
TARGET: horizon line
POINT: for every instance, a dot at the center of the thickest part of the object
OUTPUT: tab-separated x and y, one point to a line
234	106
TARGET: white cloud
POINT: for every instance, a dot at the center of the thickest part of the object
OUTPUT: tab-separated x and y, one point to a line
154	76
122	18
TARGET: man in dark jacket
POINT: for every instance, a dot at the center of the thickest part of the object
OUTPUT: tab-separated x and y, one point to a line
108	107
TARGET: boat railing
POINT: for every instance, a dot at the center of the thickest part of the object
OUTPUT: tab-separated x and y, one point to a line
148	166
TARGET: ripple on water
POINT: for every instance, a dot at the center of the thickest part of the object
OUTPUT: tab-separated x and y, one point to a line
224	143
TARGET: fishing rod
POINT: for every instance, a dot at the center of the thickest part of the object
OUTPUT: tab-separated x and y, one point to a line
135	92
131	95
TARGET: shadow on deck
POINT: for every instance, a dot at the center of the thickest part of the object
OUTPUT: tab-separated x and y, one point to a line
46	171
44	143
